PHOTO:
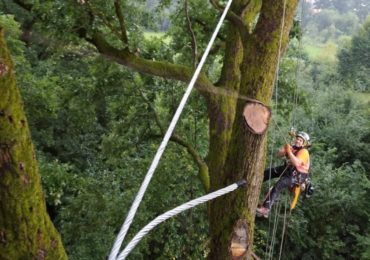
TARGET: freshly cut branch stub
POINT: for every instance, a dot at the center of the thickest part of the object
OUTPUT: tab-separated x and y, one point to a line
239	240
257	117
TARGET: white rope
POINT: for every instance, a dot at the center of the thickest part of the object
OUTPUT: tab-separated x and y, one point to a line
130	246
153	166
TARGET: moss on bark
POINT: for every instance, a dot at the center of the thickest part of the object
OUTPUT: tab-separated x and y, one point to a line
26	231
245	152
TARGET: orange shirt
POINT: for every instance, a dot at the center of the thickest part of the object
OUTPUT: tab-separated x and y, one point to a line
304	157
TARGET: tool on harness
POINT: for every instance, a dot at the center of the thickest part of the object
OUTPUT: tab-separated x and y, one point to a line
309	188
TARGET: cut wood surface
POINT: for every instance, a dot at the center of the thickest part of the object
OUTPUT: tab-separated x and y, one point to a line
257	117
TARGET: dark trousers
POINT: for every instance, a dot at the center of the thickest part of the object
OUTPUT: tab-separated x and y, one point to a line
288	178
276	172
285	181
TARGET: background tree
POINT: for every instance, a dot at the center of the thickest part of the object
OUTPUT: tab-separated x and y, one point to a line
360	7
354	65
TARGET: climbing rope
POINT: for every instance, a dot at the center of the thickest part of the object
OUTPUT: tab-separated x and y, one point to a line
130	246
158	155
274	138
283	233
295	105
295	93
274	230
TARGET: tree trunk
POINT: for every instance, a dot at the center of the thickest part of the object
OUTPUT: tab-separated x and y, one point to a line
26	231
245	152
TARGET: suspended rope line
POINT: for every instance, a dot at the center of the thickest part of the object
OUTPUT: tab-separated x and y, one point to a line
300	38
283	233
276	109
273	239
153	166
295	104
286	232
130	246
278	58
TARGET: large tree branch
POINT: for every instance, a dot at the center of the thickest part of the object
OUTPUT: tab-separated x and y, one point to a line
231	16
250	10
193	39
202	165
157	68
95	13
272	16
207	29
24	5
121	19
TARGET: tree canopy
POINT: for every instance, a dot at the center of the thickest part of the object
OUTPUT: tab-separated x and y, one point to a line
97	116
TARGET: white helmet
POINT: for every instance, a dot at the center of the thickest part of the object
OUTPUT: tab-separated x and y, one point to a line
305	137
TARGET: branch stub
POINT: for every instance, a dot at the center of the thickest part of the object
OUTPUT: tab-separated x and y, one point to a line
257	117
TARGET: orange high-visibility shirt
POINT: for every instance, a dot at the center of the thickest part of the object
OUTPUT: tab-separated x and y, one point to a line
304	156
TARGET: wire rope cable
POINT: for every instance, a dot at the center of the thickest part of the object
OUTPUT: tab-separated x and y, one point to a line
158	155
131	245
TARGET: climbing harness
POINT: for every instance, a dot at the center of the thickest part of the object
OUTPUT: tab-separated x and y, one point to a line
301	182
121	235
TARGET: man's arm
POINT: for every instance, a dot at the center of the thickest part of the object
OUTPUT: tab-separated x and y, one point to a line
295	161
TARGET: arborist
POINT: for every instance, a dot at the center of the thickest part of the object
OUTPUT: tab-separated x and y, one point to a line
293	174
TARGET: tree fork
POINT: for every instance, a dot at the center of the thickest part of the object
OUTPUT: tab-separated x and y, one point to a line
246	151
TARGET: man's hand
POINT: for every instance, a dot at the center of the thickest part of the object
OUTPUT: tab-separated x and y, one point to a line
287	148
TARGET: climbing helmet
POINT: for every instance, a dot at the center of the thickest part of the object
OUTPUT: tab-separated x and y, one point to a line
305	137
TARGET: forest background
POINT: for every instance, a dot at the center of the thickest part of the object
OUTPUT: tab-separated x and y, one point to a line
96	127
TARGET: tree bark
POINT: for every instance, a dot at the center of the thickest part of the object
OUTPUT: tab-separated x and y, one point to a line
26	231
245	154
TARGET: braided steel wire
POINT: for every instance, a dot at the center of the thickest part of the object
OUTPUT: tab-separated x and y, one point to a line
130	246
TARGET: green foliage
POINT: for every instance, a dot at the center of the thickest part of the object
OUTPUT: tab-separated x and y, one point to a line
331	222
354	65
80	105
68	113
360	7
95	125
60	182
329	25
12	34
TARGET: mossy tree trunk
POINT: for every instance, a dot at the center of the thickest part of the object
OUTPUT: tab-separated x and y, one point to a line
26	231
244	157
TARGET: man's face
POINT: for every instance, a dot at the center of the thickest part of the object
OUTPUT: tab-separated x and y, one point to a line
299	141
